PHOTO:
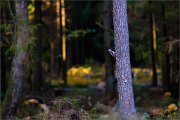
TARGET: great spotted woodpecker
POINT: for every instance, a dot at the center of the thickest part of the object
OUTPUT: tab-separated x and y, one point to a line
112	53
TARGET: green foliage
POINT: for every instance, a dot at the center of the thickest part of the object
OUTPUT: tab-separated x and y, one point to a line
11	51
139	35
146	116
172	115
6	27
8	40
93	114
31	8
67	100
79	33
31	48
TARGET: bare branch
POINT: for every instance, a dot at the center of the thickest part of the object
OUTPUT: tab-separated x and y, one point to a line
105	28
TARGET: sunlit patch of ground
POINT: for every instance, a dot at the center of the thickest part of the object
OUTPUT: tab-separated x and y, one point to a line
82	76
94	74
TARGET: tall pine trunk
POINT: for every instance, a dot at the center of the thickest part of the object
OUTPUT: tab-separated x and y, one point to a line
64	54
153	46
122	55
15	86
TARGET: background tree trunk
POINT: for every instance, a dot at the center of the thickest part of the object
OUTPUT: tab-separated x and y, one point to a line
3	59
123	66
59	42
52	39
175	72
165	55
3	73
153	46
38	81
15	86
63	17
107	44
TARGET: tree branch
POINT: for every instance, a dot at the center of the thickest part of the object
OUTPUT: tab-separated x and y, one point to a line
103	27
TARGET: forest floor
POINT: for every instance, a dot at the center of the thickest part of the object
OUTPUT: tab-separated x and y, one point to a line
85	99
86	104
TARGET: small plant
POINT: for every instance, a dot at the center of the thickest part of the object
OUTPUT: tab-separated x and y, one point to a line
93	114
146	116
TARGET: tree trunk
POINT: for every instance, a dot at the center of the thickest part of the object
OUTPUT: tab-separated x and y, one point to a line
107	44
59	42
81	40
165	56
175	72
38	65
69	54
14	89
63	22
153	47
123	67
3	68
2	73
52	40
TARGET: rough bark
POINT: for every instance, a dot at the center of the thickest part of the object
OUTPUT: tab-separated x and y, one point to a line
107	44
14	89
123	66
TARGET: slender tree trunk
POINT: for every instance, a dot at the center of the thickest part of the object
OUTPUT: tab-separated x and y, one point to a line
52	56
59	42
107	44
2	73
76	41
165	56
63	22
69	54
52	41
175	72
14	89
122	56
81	50
38	68
77	51
153	47
3	65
